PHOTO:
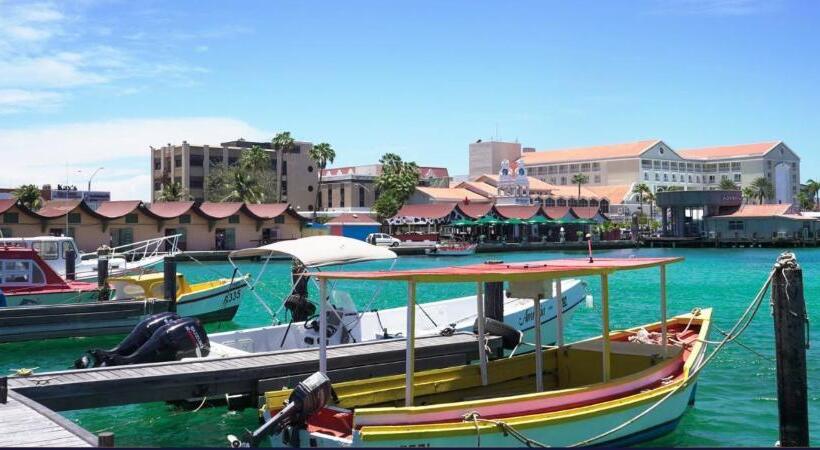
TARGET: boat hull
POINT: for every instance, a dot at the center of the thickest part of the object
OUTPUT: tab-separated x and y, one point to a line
212	305
51	298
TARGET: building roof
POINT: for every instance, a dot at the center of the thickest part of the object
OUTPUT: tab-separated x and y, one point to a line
451	194
768	210
479	187
376	169
6	203
117	209
58	208
517	211
353	219
169	210
426	211
475	210
218	211
557	212
611	151
267	210
616	193
542	187
729	151
586	212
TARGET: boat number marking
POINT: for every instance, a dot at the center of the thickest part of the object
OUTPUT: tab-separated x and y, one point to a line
231	297
529	316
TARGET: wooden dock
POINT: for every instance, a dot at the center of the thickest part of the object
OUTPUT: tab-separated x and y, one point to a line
25	423
27	323
248	374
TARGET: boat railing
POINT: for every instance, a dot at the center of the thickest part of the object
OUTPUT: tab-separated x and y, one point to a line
149	248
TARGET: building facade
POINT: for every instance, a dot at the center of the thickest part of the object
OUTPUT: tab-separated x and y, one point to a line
486	157
190	165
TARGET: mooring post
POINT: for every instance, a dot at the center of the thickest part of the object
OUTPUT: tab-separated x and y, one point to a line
791	341
102	276
4	390
70	265
105	439
494	300
170	282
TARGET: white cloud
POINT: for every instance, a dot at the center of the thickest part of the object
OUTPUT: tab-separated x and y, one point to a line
39	155
15	100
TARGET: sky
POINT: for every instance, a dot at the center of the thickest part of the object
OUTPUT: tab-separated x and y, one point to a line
93	83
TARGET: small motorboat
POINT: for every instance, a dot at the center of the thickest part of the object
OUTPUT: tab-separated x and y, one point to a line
596	391
208	301
27	280
452	249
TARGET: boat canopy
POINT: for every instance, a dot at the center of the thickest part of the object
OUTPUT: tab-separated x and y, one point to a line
318	251
489	271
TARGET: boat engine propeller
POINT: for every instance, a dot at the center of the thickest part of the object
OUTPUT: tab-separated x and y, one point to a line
160	337
307	398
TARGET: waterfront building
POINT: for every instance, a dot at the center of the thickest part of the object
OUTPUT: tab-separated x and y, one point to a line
190	165
203	226
92	198
352	225
486	157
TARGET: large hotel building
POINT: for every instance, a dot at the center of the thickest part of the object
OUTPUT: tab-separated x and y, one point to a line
615	168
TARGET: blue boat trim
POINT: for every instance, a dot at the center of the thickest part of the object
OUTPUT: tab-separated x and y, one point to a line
642	436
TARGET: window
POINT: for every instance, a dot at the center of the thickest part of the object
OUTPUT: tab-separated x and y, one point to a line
233	219
157	163
157	186
197	160
585	167
232	161
563	180
646	163
279	219
361	196
48	250
657	176
674	177
674	166
646	175
74	218
597	178
122	236
737	178
284	167
724	177
196	182
710	168
5	232
177	161
310	168
735	166
552	169
656	165
562	169
330	197
131	218
690	178
11	217
573	168
215	160
665	165
698	178
666	177
342	197
723	167
736	225
21	272
711	178
596	167
310	188
185	218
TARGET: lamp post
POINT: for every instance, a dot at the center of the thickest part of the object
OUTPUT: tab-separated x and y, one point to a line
92	177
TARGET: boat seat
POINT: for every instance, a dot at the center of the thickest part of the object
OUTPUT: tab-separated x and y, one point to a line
625	348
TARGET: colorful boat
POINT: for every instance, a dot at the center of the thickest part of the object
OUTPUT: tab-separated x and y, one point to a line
620	388
209	301
453	249
27	280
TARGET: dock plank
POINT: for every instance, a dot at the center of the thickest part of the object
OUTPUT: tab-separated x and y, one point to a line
24	423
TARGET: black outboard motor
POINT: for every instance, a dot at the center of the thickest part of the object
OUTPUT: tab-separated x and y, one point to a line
182	338
307	398
136	339
510	336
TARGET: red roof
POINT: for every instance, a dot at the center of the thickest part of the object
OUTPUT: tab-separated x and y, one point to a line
769	210
475	210
426	211
517	212
218	211
170	210
556	212
267	210
58	208
729	151
626	150
6	203
352	219
585	212
116	209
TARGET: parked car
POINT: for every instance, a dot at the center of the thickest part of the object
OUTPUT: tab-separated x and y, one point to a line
382	239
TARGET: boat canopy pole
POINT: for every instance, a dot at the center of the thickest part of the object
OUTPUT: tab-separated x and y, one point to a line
663	310
482	339
605	324
559	314
539	358
323	326
410	360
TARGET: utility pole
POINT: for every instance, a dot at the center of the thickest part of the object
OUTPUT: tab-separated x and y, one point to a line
791	327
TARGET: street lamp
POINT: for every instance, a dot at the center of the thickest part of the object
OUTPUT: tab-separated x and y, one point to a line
92	177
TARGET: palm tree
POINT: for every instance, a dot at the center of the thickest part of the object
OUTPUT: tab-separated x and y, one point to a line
762	189
244	188
255	159
282	143
728	185
805	199
29	196
814	189
650	198
580	179
641	189
322	154
172	192
748	193
396	184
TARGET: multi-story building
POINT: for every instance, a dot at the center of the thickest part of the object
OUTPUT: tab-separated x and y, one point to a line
190	165
486	157
352	189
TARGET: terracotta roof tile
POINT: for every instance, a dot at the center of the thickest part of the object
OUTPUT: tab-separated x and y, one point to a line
451	194
352	219
116	209
479	187
517	211
426	211
585	212
625	150
58	208
556	212
729	151
170	210
220	210
6	203
267	210
475	210
615	193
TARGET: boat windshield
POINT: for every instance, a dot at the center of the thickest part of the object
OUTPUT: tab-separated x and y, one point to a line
48	250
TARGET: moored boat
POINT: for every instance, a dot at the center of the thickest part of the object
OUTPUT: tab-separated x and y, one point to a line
453	249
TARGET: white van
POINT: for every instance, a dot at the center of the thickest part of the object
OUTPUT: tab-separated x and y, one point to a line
382	239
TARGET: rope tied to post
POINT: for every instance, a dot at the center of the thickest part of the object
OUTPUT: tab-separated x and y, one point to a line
504	427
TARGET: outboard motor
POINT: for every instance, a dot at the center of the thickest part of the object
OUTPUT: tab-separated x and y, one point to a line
510	336
136	339
307	398
173	341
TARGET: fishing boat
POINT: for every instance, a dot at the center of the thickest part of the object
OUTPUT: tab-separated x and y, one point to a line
27	280
452	249
136	258
620	388
209	301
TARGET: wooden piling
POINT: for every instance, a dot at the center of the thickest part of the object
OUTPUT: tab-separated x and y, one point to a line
102	276
791	342
170	281
494	300
105	439
70	265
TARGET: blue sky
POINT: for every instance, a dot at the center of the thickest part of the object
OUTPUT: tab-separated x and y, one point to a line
93	83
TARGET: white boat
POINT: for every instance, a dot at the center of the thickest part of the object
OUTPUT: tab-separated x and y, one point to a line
453	249
136	258
350	321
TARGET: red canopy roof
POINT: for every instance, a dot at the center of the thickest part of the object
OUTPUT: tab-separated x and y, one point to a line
527	271
218	211
6	203
556	212
426	211
116	209
265	211
475	210
170	210
585	212
517	211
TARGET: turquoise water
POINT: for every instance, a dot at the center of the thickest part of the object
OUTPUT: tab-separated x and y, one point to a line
736	398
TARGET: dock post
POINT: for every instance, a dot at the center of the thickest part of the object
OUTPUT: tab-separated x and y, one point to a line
70	265
494	300
4	390
791	327
169	279
105	439
102	277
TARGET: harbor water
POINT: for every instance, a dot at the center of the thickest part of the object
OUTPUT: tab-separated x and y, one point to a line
736	396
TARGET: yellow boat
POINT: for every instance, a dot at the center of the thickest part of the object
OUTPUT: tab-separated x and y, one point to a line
620	388
209	301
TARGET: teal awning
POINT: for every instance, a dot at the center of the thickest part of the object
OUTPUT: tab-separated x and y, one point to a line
487	220
463	223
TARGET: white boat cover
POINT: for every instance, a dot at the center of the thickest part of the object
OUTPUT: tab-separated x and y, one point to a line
318	251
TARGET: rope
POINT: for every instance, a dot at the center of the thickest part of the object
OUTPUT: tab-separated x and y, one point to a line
505	428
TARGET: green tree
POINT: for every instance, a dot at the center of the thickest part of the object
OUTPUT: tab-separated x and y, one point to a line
580	179
395	184
805	199
762	189
321	154
251	180
244	188
728	185
255	159
29	196
173	192
813	188
748	193
642	189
